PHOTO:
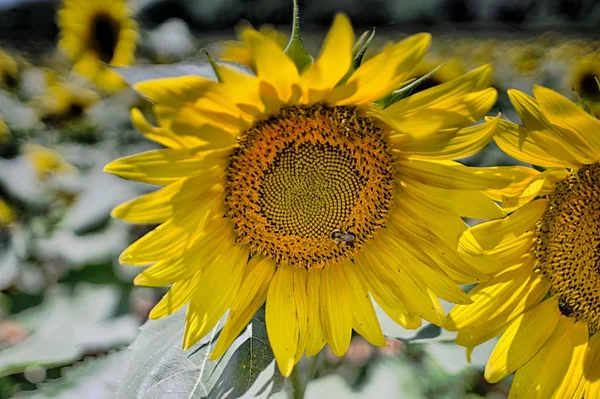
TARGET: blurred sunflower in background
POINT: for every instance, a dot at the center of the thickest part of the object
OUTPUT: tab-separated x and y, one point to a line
4	133
63	101
300	187
9	71
96	34
584	77
545	297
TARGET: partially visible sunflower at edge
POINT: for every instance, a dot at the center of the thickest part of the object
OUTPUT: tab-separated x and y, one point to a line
545	298
96	34
294	187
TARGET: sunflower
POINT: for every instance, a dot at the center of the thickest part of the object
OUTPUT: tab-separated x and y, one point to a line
6	214
63	101
96	34
45	161
298	189
9	71
545	297
584	77
4	132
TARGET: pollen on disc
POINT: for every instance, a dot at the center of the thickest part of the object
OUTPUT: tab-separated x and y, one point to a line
568	245
305	174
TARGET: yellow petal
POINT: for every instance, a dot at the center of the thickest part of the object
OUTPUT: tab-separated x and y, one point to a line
561	112
301	302
474	336
395	273
502	297
160	134
272	64
207	306
417	267
380	75
574	383
451	145
467	203
174	91
201	251
473	81
553	358
334	61
316	340
364	319
544	133
178	295
335	311
453	175
522	340
251	296
427	122
391	300
282	320
519	194
592	368
489	234
517	142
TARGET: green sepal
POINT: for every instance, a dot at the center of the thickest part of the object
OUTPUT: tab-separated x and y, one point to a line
295	48
405	91
581	102
213	64
361	47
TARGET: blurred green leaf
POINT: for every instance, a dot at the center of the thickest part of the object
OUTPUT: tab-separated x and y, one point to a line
66	327
99	376
160	367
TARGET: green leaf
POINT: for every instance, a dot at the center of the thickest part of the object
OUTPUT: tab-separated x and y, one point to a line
361	47
97	375
67	327
159	365
295	48
405	91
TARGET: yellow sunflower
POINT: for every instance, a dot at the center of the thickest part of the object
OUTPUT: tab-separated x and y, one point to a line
6	214
45	161
545	297
9	71
4	132
584	77
96	34
295	188
63	101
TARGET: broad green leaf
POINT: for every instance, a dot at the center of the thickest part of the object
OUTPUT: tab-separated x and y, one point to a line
295	48
97	375
159	366
65	327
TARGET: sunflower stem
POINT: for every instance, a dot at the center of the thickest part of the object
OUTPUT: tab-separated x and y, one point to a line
298	383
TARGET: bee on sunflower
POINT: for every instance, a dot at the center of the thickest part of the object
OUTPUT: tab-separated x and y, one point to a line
545	297
313	187
96	34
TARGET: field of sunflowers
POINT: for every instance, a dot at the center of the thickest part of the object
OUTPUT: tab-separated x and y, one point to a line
209	201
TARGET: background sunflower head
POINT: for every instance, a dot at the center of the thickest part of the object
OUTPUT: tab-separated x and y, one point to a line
97	34
545	297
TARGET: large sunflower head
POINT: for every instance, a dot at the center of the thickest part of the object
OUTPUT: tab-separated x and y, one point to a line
311	189
545	297
96	34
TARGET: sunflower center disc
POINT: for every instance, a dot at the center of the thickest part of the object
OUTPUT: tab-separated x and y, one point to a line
310	185
105	36
568	245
